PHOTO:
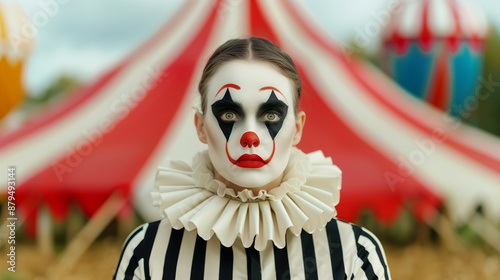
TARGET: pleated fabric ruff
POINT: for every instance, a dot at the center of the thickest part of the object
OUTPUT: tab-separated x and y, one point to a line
190	198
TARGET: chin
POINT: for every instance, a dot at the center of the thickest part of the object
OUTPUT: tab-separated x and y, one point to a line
251	178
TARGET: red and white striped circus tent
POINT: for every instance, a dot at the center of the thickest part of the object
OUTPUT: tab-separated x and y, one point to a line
395	152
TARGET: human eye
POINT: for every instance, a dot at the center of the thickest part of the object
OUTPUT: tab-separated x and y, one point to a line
229	116
270	117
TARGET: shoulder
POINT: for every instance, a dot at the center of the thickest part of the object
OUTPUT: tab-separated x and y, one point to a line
361	249
349	232
137	248
140	232
145	234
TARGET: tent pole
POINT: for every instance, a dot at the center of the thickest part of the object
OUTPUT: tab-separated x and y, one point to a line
451	241
45	236
488	232
3	227
82	241
75	224
442	225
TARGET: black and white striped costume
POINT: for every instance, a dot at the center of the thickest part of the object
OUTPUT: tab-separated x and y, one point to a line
342	251
204	234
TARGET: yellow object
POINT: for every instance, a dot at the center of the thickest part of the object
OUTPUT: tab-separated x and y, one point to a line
14	49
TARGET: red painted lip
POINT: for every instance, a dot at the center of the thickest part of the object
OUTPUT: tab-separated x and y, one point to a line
250	161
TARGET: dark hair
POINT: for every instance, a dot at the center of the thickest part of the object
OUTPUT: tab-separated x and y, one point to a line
253	48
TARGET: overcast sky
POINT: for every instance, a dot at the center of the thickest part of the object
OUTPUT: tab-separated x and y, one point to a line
84	38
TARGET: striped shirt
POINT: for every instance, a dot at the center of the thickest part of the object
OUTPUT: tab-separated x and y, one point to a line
340	251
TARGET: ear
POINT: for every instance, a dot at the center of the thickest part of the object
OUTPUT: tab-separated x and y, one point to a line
300	120
199	123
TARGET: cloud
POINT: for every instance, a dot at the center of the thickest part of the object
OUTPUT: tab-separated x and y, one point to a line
83	38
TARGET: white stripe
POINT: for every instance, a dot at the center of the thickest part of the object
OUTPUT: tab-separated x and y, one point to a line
158	252
348	242
360	273
267	263
185	260
212	259
40	149
440	18
472	19
295	258
322	252
139	271
445	169
239	261
409	19
181	142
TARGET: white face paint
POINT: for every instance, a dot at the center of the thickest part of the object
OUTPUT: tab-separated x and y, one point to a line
249	122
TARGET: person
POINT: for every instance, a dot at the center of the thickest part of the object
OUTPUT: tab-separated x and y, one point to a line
252	206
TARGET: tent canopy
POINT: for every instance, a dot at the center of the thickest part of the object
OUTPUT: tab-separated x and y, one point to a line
395	152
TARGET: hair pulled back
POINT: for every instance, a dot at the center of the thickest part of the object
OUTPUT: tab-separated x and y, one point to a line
253	48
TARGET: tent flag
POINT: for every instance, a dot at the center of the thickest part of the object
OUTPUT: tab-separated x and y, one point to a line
395	152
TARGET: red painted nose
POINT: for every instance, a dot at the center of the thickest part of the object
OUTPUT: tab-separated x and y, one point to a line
249	139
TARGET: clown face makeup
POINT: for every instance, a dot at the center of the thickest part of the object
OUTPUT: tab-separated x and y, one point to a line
249	123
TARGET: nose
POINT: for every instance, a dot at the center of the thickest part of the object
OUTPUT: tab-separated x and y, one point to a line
249	139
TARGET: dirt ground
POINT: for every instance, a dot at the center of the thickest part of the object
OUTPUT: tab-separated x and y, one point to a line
416	261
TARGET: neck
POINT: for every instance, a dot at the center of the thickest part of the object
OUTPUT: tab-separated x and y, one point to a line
274	184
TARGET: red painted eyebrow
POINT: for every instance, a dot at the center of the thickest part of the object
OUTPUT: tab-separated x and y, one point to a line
226	86
275	89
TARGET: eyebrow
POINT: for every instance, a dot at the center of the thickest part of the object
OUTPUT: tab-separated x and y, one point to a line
275	89
226	86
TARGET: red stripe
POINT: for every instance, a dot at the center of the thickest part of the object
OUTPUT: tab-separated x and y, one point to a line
395	38
425	32
394	102
59	111
439	93
454	39
116	158
364	167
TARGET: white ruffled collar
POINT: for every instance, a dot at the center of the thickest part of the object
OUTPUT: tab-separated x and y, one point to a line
190	198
